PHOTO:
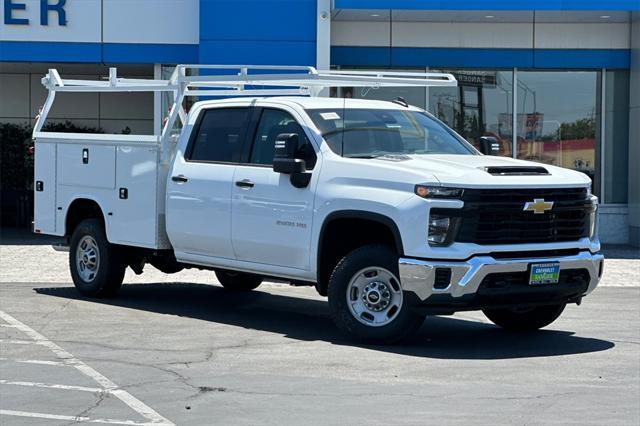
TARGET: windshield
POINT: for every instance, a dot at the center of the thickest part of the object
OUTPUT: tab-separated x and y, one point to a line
370	133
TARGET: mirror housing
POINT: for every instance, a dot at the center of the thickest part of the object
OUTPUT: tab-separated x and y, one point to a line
284	157
489	145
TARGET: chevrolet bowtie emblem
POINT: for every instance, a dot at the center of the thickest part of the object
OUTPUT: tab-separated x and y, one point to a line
538	206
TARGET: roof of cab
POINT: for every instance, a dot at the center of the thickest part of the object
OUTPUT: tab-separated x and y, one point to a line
315	102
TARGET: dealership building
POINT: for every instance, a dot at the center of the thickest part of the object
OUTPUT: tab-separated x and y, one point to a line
555	81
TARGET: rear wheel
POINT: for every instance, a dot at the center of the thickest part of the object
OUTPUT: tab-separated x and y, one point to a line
526	319
366	298
97	267
238	281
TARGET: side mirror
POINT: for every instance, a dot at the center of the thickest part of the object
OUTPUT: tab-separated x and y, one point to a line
284	158
489	145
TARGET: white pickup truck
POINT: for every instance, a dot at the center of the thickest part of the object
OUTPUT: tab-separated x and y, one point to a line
379	205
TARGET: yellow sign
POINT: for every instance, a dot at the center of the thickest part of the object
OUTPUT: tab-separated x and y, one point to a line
538	206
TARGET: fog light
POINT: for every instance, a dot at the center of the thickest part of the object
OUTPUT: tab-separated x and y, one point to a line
442	278
438	229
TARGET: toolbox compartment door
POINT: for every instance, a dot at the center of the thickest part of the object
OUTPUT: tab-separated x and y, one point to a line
44	188
134	219
87	165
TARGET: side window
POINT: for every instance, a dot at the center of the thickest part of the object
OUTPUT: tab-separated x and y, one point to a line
272	123
220	135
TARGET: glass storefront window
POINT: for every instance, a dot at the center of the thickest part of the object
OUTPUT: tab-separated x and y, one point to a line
616	131
481	105
558	118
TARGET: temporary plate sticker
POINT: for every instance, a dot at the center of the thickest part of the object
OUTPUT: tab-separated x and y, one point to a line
544	273
330	116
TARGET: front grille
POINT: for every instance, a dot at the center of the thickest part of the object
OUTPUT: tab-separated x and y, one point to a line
496	216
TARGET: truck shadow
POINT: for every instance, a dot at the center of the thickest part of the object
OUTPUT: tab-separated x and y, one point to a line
308	320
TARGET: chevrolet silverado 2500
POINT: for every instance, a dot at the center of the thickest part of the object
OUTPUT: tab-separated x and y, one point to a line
379	205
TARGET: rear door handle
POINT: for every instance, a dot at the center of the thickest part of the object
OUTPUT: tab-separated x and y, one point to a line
244	183
179	178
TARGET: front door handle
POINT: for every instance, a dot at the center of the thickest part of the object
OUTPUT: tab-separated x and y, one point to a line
244	183
179	178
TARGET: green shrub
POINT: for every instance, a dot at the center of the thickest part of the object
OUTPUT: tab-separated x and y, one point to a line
16	163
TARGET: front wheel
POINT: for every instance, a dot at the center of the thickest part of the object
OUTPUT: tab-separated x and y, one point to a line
97	267
526	319
238	281
366	298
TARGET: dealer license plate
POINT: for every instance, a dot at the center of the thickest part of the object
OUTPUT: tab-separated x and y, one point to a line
544	273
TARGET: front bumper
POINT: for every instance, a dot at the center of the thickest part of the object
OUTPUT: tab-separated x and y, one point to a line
468	278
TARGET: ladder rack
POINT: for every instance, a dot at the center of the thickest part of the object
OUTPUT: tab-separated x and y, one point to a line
233	81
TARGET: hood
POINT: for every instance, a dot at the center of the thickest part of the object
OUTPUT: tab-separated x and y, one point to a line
474	171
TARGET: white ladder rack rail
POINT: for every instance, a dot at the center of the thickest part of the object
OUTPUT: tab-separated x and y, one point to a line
230	81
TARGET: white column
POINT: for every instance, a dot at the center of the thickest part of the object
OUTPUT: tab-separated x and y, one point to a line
323	37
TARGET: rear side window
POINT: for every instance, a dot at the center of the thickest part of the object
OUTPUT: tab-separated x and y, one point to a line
221	135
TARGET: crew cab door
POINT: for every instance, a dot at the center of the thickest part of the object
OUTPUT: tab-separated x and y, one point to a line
200	183
272	220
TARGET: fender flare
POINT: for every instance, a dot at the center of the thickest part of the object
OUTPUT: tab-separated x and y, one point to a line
358	214
86	197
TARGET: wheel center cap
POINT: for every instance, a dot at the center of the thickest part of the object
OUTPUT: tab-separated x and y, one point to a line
373	297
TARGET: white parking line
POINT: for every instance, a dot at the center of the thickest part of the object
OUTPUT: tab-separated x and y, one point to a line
52	386
19	342
73	418
36	361
107	385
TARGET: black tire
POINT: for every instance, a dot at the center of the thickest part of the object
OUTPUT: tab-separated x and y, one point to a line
107	277
238	281
530	319
404	324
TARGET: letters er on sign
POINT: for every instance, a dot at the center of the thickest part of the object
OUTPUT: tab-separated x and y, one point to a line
16	10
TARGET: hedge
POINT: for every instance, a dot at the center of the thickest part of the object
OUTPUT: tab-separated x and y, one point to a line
16	163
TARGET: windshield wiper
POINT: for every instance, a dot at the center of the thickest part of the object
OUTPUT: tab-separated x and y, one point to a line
367	156
373	155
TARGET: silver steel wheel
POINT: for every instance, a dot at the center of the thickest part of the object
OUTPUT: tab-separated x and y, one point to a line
87	258
374	296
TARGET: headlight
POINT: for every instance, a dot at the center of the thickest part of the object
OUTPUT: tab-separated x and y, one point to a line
438	229
437	192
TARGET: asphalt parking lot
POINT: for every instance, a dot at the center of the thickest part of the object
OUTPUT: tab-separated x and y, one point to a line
179	350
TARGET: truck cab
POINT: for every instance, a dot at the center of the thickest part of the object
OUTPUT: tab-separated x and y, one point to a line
379	205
